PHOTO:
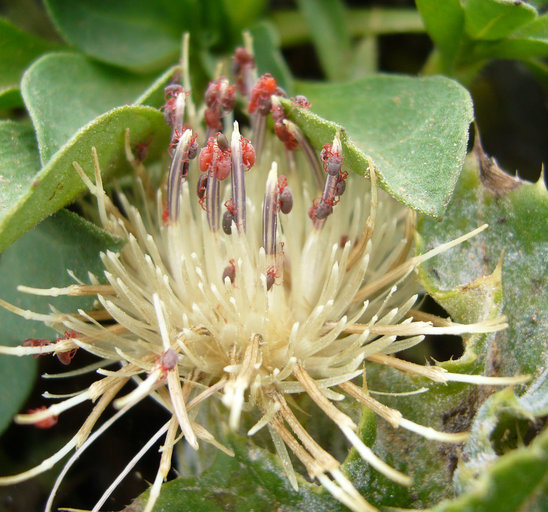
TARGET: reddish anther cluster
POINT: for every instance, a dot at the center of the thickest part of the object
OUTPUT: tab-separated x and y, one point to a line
66	357
285	196
243	63
171	92
214	160
335	185
46	422
261	94
34	342
220	98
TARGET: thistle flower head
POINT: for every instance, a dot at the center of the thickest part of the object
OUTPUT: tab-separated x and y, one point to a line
259	270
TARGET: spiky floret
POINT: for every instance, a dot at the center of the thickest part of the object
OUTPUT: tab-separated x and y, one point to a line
304	303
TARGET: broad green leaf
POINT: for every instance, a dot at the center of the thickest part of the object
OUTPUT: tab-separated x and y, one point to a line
444	23
414	129
495	19
133	34
19	162
266	49
517	481
17	50
64	92
57	183
41	259
326	22
529	41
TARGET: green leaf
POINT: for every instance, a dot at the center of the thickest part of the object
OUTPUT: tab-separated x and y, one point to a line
133	34
17	50
414	129
57	183
529	41
19	162
495	19
518	233
515	246
40	258
252	480
444	23
266	49
514	482
326	22
63	92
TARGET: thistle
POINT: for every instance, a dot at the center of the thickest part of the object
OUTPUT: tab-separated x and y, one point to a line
260	270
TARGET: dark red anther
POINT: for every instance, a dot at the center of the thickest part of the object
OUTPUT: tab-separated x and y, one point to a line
261	94
332	160
342	242
323	210
46	422
193	149
285	196
340	188
230	271
201	186
212	120
341	183
171	92
224	166
320	209
206	154
214	160
220	98
286	200
248	153
222	142
290	142
169	360
33	342
67	356
302	101
272	274
243	62
333	165
228	218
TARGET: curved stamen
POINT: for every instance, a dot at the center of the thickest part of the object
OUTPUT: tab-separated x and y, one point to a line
270	211
238	179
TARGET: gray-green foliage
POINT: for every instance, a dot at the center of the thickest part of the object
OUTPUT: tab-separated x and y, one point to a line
414	130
